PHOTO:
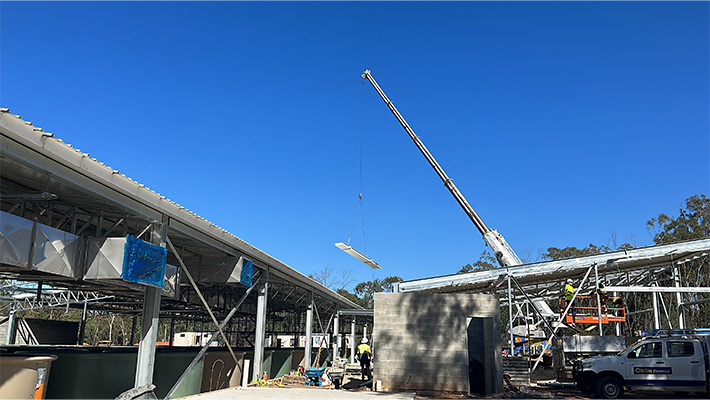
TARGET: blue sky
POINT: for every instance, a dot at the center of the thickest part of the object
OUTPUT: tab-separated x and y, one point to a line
562	123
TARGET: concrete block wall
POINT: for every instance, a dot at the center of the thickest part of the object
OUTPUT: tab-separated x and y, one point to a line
420	339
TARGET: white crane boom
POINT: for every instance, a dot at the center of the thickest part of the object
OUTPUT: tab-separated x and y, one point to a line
504	253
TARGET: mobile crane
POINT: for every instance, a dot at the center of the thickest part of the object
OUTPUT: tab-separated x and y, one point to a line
504	253
501	249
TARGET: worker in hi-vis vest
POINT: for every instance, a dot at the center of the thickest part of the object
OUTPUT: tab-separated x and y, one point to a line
569	294
364	355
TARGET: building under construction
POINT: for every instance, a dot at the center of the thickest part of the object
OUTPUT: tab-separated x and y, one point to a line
70	228
77	234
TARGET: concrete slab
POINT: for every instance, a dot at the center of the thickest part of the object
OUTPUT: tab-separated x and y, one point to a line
298	393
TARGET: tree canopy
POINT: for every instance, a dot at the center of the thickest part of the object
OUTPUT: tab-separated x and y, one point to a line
693	222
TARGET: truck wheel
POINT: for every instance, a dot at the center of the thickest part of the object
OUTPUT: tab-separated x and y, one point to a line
609	387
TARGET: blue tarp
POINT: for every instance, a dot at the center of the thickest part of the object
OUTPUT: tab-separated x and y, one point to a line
246	273
143	263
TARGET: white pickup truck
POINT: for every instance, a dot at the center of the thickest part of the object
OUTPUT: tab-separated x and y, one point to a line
667	363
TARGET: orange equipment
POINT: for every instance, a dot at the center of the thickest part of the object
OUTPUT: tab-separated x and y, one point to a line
586	311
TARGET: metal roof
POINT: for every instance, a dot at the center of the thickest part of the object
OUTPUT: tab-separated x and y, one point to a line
33	154
616	262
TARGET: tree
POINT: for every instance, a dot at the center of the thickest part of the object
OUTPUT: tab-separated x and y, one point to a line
353	297
365	291
693	222
554	253
485	261
331	279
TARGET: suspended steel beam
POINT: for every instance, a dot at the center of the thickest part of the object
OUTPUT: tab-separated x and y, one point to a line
370	263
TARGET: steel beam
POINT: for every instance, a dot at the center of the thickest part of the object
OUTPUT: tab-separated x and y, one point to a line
357	313
658	289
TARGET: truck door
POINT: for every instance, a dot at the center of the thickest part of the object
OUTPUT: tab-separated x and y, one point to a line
645	365
685	357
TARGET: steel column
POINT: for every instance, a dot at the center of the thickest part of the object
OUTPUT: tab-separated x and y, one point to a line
679	298
260	334
82	328
656	314
309	330
599	299
352	341
151	315
618	324
510	317
336	333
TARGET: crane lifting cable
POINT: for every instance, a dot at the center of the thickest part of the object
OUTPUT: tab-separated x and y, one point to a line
346	246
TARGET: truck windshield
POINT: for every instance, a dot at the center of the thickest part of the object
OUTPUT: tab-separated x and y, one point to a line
626	350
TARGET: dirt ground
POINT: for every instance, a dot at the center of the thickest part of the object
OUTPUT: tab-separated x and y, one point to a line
540	390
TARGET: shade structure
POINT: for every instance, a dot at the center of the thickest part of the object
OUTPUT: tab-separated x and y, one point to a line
344	247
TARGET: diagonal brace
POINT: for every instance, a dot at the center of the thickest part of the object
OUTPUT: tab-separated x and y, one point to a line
209	342
564	314
202	298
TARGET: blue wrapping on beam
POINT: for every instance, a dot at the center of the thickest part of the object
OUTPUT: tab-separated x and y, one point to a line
143	263
246	273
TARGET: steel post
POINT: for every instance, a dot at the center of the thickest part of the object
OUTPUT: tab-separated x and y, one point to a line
599	299
656	312
336	333
151	314
352	341
309	331
82	327
618	324
679	298
260	335
510	317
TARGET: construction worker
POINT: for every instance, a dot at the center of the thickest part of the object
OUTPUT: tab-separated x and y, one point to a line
602	296
364	355
617	304
569	294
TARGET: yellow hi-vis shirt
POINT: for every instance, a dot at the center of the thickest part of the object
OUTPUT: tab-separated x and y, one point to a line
364	348
569	292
